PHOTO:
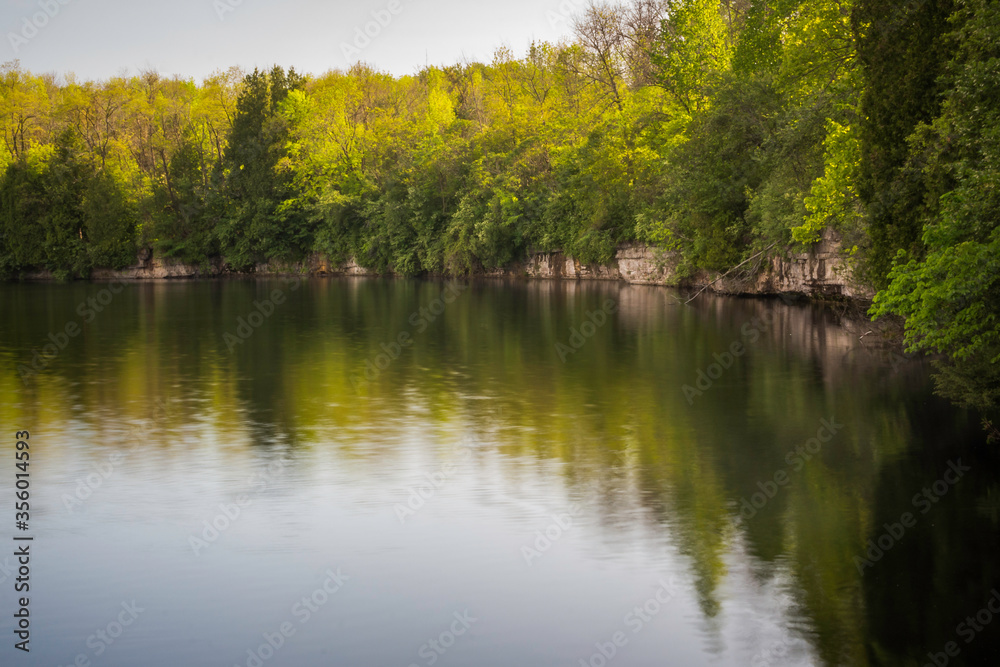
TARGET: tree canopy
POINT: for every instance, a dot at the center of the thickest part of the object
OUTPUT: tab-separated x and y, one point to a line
716	128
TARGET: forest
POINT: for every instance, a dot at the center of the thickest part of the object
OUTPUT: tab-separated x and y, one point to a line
716	129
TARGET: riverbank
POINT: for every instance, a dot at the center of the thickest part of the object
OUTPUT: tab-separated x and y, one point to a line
821	273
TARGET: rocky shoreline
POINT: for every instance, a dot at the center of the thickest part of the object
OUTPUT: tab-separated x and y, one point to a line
820	273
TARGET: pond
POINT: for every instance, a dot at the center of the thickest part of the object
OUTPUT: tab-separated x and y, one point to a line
355	472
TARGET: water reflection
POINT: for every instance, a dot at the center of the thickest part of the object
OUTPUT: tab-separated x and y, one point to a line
481	467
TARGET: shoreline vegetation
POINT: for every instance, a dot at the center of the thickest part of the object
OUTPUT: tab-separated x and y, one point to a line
733	137
818	276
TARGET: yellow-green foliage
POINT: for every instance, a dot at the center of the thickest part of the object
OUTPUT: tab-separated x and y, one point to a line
833	200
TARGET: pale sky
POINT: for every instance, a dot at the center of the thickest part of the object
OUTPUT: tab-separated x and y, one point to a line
96	39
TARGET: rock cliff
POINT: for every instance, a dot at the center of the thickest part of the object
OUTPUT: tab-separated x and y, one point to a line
821	272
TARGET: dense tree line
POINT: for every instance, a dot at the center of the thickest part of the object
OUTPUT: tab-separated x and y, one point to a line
717	128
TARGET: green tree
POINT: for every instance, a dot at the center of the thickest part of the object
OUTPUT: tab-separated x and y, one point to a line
901	51
258	224
42	209
950	294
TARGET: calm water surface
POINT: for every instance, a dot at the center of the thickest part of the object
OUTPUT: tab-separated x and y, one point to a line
511	486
